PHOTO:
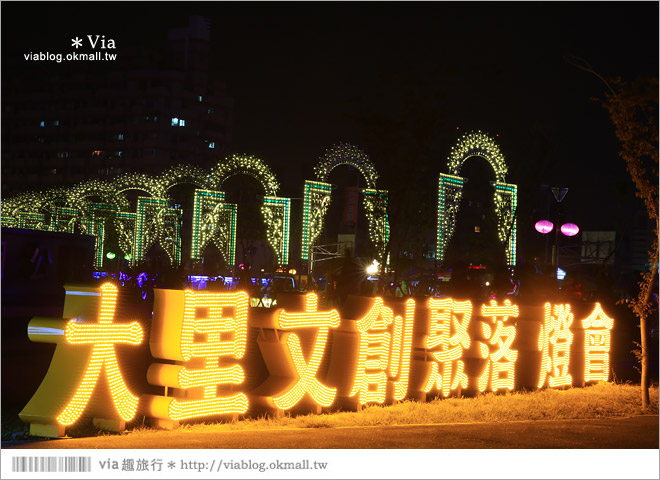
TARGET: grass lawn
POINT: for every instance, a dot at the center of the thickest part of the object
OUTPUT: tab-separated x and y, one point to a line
596	401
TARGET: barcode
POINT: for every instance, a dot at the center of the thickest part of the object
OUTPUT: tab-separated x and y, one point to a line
51	464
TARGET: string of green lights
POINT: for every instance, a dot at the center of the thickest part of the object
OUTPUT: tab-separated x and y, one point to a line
101	208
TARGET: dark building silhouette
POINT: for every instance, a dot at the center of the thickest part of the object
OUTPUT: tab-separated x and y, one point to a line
158	106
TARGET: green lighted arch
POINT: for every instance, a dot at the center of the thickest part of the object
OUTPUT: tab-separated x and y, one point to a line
80	195
275	210
248	165
346	154
91	206
317	196
182	174
28	202
477	145
450	192
139	181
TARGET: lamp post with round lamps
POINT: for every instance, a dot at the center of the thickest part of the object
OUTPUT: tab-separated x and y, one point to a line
568	229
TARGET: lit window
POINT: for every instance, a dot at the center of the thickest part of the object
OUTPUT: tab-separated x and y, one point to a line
212	145
199	98
182	123
477	229
175	121
119	136
56	123
42	124
53	171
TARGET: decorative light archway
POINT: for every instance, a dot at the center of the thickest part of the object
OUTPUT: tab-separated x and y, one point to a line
248	165
93	204
154	220
477	145
276	210
97	204
185	174
213	220
450	192
346	154
317	196
25	211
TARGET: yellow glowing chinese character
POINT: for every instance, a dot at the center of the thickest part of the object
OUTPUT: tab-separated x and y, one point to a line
196	328
500	366
102	336
306	371
447	338
555	344
597	345
380	350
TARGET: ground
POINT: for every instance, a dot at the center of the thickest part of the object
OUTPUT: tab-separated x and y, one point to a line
639	432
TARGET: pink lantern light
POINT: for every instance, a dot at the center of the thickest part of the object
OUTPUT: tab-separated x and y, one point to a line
570	229
543	226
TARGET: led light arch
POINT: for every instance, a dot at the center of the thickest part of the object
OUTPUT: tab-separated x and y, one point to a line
477	145
62	216
346	154
82	195
450	192
28	210
50	211
214	221
185	174
138	181
138	231
318	193
248	165
275	210
27	202
97	204
92	206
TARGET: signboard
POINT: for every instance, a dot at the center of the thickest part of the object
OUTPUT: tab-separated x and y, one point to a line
213	355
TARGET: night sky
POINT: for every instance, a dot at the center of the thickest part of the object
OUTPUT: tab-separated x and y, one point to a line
305	76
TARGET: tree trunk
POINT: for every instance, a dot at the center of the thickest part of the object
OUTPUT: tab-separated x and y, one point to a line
643	314
645	363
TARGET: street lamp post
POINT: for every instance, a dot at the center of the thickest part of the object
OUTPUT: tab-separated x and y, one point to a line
559	193
567	229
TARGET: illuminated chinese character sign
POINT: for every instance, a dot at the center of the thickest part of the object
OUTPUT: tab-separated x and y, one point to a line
211	355
204	333
84	357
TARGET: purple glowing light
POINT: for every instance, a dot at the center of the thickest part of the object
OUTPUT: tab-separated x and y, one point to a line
141	278
570	229
543	226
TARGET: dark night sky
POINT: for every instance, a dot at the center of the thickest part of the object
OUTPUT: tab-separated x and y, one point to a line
300	74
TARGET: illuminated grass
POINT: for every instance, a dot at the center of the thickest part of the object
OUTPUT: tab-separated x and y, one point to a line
603	400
